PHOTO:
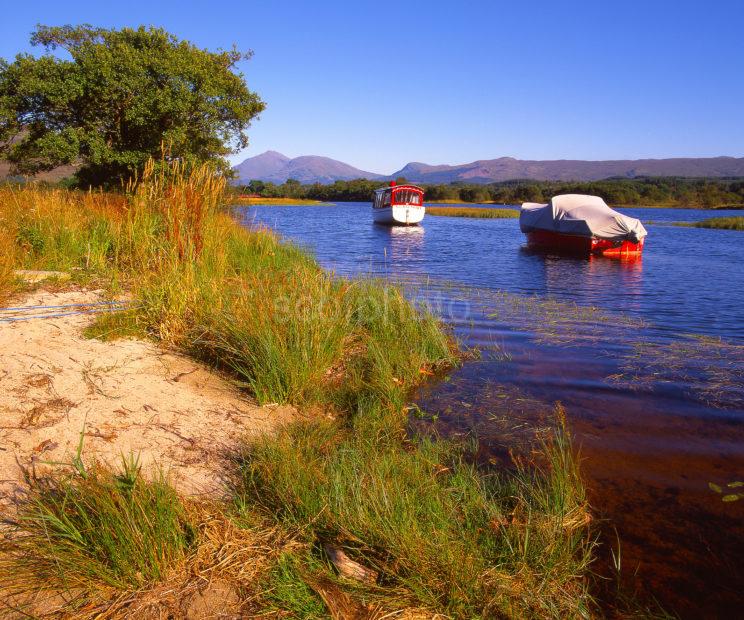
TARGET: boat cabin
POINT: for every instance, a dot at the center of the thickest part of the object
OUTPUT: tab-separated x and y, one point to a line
398	195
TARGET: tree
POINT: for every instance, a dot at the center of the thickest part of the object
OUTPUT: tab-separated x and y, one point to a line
119	99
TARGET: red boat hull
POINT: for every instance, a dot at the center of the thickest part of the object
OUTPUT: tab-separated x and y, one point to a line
570	244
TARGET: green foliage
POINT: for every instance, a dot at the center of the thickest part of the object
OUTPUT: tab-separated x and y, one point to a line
97	527
118	99
287	591
30	238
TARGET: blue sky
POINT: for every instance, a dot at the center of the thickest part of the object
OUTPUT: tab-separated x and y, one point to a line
379	84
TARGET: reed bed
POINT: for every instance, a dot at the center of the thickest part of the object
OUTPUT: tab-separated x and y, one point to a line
443	534
474	212
725	223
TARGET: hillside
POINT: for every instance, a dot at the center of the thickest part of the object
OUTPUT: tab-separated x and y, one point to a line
277	168
51	177
508	168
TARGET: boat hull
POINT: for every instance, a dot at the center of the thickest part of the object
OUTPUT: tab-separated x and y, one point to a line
399	215
586	246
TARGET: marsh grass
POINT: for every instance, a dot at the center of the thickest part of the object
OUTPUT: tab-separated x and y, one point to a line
705	368
96	528
725	223
473	212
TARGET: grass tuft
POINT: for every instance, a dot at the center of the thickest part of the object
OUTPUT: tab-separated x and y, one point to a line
96	528
286	591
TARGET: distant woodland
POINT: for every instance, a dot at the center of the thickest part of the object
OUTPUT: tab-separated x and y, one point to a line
660	191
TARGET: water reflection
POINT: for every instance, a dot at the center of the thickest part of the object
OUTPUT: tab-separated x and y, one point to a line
403	243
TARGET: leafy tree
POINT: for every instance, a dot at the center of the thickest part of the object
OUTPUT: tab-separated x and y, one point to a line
119	99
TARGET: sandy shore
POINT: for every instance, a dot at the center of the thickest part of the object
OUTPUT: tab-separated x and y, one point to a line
127	396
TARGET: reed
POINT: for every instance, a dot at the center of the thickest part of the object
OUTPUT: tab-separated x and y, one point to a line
473	212
725	223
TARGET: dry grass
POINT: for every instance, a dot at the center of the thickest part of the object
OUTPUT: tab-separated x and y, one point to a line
229	570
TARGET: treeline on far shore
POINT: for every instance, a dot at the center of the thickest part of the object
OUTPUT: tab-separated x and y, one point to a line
703	193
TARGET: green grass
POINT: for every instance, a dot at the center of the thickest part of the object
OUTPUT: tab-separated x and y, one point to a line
475	212
725	223
94	529
286	592
444	535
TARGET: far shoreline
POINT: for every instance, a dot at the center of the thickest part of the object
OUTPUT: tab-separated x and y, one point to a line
288	202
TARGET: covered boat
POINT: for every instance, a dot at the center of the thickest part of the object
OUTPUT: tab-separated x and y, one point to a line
576	223
398	204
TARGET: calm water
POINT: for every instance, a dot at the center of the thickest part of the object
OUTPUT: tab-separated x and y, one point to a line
647	358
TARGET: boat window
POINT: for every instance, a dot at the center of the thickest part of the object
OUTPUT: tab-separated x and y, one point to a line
387	199
415	198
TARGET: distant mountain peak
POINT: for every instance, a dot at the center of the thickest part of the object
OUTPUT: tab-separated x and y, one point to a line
277	168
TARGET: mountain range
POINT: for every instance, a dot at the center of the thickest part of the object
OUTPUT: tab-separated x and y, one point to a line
277	168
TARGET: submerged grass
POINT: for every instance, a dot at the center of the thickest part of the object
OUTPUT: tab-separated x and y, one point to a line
475	212
443	534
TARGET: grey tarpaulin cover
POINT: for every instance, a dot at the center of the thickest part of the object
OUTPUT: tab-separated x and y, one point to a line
580	215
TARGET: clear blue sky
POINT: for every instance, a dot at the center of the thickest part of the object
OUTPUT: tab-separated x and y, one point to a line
379	84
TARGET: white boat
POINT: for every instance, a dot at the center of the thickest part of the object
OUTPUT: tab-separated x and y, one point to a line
398	204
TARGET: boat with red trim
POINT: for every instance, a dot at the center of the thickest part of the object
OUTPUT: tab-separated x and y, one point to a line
581	224
398	204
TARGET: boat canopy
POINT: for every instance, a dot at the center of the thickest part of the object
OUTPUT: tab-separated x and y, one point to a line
398	195
580	215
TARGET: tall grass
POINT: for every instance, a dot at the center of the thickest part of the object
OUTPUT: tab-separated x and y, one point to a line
441	534
95	528
7	262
